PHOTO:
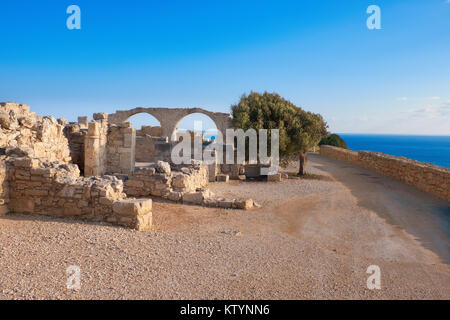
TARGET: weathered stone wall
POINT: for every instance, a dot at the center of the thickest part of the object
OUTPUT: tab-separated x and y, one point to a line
145	148
426	177
146	181
163	151
22	133
162	180
76	135
120	150
183	183
56	189
146	138
4	187
189	178
340	154
154	131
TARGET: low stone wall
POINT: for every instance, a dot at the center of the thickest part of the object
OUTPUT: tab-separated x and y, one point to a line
189	178
56	189
4	187
147	182
179	183
340	154
162	180
426	177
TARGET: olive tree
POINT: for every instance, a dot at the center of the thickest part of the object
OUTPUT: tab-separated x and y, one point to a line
299	130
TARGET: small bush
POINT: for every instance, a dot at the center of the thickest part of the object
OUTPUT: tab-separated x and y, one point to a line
333	140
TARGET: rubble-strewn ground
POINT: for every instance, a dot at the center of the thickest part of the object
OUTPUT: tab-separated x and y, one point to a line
313	238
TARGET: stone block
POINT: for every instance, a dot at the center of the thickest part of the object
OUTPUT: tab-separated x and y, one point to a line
128	140
244	204
223	178
22	205
174	196
213	170
83	121
3	210
211	202
26	122
6	122
126	161
100	116
36	192
181	181
194	197
94	129
134	183
132	207
144	222
163	167
71	209
274	177
26	162
224	203
105	201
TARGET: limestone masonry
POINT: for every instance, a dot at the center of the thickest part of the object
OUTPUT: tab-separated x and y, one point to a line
426	177
90	169
86	169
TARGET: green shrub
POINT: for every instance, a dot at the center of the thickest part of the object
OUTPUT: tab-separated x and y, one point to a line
333	140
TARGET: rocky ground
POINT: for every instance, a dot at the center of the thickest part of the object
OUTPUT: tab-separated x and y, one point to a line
313	238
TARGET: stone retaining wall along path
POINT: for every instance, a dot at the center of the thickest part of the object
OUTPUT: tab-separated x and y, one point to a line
424	176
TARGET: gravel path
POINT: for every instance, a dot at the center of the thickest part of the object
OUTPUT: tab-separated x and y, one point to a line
312	239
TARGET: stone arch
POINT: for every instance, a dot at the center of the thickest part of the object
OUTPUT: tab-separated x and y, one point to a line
170	117
214	116
123	115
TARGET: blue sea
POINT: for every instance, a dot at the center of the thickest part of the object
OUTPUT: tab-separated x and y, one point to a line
431	149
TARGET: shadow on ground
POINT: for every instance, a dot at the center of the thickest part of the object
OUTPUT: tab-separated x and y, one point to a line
418	213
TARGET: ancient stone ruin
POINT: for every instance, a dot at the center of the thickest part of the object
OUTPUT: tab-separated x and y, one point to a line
87	169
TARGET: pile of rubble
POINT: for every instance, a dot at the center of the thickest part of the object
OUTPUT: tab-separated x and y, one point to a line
24	134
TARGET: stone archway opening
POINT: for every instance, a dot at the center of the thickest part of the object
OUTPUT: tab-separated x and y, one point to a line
148	132
171	117
197	124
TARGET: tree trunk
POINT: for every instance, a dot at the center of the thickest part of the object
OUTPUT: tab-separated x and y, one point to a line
302	166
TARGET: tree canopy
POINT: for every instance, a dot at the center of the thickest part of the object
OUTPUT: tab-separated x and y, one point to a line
333	140
299	130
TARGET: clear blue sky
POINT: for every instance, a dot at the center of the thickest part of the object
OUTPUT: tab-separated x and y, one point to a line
318	54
